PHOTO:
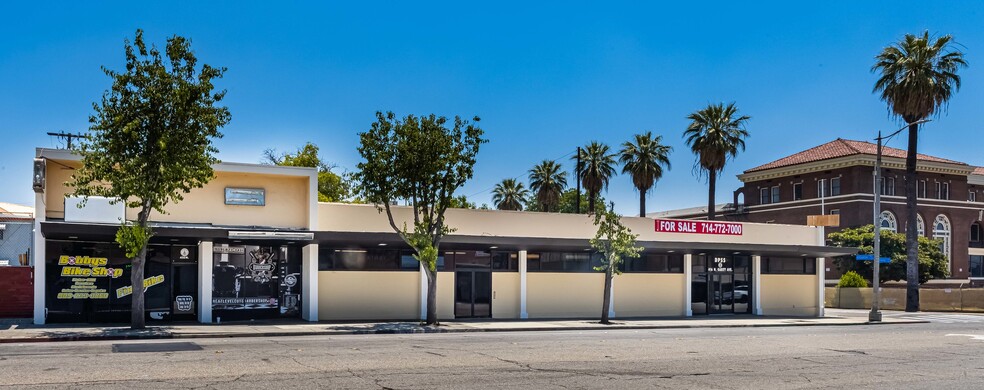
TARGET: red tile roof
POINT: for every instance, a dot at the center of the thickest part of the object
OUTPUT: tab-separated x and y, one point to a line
840	148
978	171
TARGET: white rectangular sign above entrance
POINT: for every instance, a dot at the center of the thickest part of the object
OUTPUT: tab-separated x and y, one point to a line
232	250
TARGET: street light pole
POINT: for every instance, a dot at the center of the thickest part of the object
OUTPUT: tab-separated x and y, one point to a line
875	315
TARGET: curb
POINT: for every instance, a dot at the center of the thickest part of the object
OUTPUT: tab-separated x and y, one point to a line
418	330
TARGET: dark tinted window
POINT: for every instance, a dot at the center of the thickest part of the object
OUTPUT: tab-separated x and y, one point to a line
976	266
505	261
789	265
361	260
655	262
562	261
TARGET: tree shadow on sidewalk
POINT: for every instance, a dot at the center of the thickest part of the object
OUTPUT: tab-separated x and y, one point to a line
108	333
388	328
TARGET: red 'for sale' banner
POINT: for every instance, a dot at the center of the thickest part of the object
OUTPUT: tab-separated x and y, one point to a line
698	227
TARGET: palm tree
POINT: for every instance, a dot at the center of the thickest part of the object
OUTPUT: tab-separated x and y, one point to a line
716	134
596	170
918	76
548	181
644	161
509	195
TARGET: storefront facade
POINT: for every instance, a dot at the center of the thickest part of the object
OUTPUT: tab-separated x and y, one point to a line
238	249
255	244
518	265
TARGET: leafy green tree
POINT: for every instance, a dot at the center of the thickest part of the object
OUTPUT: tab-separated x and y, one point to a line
547	181
509	195
461	202
645	161
932	261
597	169
716	134
918	76
615	242
332	187
150	141
421	161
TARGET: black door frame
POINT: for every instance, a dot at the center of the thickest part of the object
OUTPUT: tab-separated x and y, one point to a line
471	282
711	278
715	298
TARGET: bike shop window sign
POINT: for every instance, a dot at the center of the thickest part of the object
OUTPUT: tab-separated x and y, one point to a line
698	227
245	196
720	264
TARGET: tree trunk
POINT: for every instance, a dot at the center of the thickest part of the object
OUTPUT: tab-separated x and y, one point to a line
642	203
431	318
711	181
137	320
591	202
911	229
608	296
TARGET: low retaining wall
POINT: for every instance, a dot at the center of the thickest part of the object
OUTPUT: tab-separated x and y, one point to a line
16	292
930	299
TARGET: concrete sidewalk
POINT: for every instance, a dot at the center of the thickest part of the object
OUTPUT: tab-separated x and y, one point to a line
14	333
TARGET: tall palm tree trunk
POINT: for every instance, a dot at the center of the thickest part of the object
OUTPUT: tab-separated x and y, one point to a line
911	232
711	182
591	201
642	203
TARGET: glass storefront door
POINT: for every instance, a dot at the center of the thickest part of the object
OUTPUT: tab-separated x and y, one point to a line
255	282
184	286
720	284
473	294
721	293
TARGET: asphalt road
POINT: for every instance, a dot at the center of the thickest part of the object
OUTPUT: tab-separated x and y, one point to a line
921	356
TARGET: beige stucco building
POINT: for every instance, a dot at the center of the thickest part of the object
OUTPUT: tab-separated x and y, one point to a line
255	243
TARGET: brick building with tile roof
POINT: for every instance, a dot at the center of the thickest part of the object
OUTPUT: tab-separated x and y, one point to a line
836	178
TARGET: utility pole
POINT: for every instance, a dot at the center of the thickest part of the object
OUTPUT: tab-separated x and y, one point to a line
577	177
68	138
875	315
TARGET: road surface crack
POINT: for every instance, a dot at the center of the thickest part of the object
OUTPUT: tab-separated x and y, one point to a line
536	369
854	351
212	384
375	381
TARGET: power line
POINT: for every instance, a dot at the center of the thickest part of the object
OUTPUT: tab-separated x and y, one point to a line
68	137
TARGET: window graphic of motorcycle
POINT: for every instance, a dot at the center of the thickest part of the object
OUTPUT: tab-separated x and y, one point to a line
261	269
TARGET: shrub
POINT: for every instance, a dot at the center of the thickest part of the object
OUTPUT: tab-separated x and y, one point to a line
852	279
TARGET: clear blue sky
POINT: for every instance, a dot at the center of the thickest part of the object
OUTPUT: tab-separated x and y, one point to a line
544	78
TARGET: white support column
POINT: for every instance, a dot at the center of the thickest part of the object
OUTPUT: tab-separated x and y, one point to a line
309	284
423	293
821	272
820	286
611	300
38	260
757	285
688	277
522	286
205	282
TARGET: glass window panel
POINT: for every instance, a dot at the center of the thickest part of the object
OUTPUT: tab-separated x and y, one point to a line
788	265
976	266
505	261
472	259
